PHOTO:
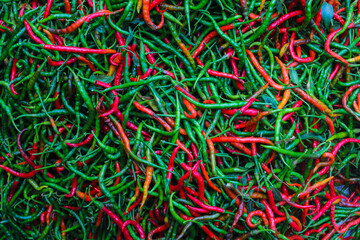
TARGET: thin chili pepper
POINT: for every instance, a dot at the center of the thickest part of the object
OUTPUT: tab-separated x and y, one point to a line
116	100
171	163
67	6
242	140
157	230
48	8
199	179
136	225
344	101
210	208
295	57
211	184
73	189
328	41
146	15
263	72
77	49
31	33
80	21
256	213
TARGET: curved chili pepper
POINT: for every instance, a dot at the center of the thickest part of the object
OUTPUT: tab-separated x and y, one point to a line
146	15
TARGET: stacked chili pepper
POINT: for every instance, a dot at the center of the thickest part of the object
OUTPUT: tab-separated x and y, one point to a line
179	119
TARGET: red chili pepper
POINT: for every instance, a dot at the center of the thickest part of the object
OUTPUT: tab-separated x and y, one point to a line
328	41
12	190
349	225
18	174
242	140
256	213
31	33
209	233
48	8
157	213
12	76
181	181
327	206
199	179
207	207
295	57
73	188
177	87
48	214
270	215
81	20
263	72
272	203
157	230
59	63
284	18
78	49
67	6
171	163
117	220
129	124
134	205
219	74
136	225
115	104
43	217
80	144
77	208
211	184
59	40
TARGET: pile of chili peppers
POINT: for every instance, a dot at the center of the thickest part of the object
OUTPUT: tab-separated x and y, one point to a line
210	119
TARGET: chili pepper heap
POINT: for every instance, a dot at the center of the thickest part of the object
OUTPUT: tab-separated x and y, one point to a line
210	119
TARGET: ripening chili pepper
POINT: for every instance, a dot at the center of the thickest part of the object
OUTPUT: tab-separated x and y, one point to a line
80	21
162	122
146	15
313	187
326	207
208	38
191	109
344	101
